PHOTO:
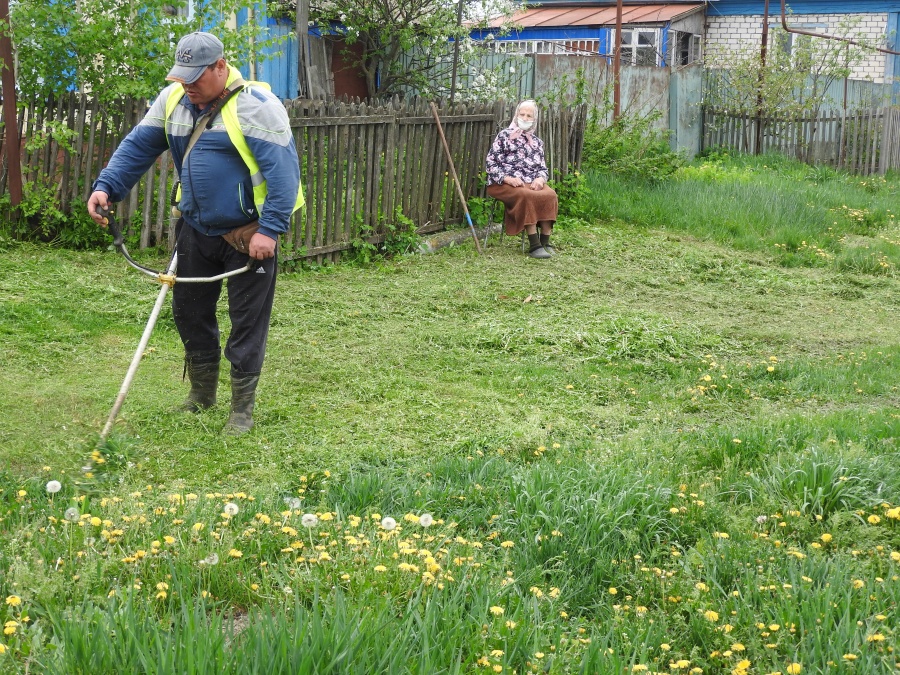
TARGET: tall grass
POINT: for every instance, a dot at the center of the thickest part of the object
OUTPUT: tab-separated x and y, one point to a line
669	449
798	214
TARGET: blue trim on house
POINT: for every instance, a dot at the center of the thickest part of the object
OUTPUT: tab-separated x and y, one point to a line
561	33
892	62
743	7
664	45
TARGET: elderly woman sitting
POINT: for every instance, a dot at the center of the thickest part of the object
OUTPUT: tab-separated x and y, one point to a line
517	176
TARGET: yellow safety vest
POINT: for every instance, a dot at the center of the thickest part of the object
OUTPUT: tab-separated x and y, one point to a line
233	127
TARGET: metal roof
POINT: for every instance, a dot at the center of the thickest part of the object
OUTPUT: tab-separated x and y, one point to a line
554	17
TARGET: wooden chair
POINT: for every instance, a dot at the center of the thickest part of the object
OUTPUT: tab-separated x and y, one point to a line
491	214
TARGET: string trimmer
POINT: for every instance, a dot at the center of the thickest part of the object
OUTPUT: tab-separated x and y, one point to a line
167	279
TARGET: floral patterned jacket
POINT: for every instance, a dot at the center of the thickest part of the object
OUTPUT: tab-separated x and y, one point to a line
516	157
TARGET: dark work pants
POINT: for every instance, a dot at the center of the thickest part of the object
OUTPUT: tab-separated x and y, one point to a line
250	297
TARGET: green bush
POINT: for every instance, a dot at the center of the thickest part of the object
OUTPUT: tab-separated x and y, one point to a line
630	146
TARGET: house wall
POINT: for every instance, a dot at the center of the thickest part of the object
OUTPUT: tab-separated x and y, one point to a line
742	31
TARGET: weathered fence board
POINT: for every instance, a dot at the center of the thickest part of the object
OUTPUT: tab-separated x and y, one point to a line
359	161
861	141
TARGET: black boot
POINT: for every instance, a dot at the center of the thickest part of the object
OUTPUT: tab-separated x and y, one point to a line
202	368
243	397
545	244
535	250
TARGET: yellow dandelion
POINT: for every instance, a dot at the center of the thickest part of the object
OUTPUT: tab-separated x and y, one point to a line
849	657
737	647
511	624
826	538
743	664
380	568
710	615
613	590
875	637
234	553
873	519
13	600
507	544
859	583
794	668
539	655
496	610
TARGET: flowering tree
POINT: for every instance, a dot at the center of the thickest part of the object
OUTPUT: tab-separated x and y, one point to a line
112	49
406	43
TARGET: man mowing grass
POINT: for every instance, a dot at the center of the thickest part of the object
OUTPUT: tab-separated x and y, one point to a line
239	175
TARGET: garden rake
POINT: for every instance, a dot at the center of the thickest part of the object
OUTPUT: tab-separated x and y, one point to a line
167	280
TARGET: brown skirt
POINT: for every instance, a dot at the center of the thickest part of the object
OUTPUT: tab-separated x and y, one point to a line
525	206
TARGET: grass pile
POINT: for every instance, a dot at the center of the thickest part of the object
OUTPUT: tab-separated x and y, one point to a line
670	449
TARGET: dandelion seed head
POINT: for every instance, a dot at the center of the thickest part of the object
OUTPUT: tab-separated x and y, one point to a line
309	520
426	520
388	523
54	486
211	559
231	509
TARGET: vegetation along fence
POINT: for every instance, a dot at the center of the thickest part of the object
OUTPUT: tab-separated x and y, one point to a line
861	141
365	166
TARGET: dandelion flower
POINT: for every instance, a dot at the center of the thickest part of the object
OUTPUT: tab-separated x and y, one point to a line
309	520
859	583
511	624
234	553
426	520
96	522
13	600
506	544
613	590
380	568
873	519
875	637
388	523
743	664
54	486
826	538
761	519
197	527
2	649
231	509
71	514
496	610
850	657
794	668
710	615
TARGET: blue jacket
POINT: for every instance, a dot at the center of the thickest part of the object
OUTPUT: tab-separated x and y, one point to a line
216	190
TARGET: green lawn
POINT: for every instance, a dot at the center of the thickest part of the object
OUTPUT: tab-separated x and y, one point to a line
671	448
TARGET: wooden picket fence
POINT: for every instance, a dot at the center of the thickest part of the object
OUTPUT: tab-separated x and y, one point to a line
861	141
362	164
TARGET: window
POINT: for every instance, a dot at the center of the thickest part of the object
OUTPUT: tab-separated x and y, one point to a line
684	48
639	46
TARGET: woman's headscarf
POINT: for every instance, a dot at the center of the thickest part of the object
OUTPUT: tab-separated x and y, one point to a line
515	131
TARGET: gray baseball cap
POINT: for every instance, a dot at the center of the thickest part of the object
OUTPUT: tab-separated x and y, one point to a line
194	53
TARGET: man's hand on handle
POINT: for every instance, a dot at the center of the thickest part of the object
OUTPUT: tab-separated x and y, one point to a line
262	247
100	199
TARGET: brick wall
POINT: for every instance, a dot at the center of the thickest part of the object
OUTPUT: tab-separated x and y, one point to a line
736	32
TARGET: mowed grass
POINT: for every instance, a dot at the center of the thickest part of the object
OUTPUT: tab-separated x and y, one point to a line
672	449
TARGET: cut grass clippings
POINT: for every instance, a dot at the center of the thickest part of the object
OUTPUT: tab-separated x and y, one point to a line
670	449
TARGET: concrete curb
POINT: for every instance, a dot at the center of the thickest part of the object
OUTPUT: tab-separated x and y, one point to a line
441	240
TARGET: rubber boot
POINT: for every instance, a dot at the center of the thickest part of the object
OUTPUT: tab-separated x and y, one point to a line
202	368
535	250
545	244
243	398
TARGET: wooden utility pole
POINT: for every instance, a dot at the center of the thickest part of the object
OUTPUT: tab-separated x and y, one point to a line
763	49
617	64
459	13
11	128
302	31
